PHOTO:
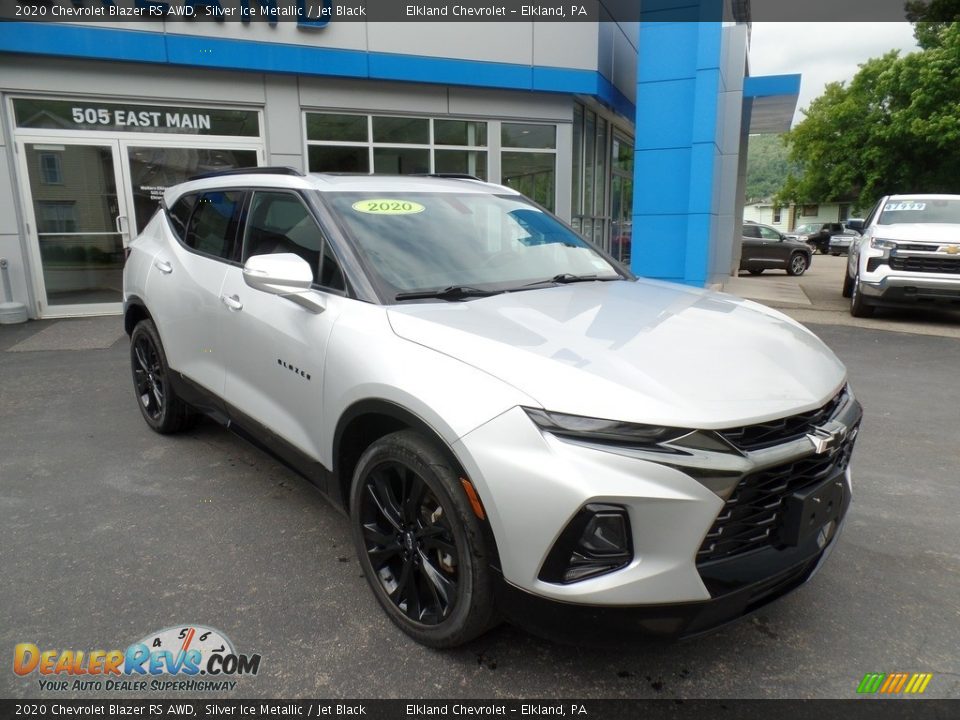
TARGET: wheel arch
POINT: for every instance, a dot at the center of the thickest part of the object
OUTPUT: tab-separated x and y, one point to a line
134	311
365	422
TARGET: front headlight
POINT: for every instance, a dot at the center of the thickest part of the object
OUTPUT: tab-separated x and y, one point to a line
803	238
881	244
598	429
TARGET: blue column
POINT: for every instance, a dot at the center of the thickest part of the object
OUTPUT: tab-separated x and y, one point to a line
678	84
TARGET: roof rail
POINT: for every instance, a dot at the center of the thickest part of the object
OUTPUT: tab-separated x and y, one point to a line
263	170
450	176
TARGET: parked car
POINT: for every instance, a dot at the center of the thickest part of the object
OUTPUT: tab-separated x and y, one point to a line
909	254
514	424
816	235
764	248
840	244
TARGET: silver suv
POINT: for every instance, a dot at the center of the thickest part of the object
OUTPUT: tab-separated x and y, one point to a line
909	254
516	426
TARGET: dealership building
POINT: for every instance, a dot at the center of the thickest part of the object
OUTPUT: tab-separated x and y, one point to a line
634	132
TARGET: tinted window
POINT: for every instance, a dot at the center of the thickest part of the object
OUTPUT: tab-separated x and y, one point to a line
769	234
751	231
180	214
213	225
330	274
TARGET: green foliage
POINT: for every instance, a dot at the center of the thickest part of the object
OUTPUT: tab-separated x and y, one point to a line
930	18
894	128
767	166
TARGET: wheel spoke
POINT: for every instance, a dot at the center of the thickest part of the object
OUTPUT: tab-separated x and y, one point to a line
382	495
435	542
373	534
379	555
158	396
445	588
138	351
415	494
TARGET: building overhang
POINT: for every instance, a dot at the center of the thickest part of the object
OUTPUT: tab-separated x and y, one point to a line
772	101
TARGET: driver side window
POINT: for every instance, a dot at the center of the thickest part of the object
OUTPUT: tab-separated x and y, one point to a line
768	234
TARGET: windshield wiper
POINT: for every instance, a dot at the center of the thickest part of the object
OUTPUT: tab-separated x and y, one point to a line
566	278
453	292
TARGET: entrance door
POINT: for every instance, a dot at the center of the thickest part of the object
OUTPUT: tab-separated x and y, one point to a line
78	224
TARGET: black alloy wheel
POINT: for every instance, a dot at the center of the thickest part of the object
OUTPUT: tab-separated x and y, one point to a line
420	544
159	404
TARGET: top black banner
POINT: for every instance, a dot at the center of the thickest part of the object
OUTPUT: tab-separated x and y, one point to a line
319	14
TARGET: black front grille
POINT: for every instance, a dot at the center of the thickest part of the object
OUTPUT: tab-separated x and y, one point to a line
752	516
930	264
776	432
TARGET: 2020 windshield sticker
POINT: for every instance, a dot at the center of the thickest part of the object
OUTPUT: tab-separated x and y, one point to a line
907	205
386	206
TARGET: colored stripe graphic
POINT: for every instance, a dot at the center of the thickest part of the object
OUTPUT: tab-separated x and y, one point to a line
871	682
894	683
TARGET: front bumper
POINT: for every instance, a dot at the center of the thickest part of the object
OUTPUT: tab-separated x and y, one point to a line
882	284
679	582
592	623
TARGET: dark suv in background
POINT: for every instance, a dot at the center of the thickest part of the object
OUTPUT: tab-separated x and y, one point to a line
764	248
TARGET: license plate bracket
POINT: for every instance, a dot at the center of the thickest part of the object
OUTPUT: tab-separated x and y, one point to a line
809	509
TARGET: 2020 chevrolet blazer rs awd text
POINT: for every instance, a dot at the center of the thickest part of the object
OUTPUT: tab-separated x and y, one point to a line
516	426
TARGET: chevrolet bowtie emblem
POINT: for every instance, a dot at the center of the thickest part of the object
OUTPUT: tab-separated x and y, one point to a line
827	437
950	249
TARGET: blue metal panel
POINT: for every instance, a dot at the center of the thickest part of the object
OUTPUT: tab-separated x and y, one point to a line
767	85
225	53
678	85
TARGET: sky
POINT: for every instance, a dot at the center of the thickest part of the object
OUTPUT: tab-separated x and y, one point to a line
822	52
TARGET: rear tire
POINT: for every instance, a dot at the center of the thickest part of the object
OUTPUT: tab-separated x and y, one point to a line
858	307
755	272
421	547
159	403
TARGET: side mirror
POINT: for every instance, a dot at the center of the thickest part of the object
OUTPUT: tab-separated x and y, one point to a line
286	275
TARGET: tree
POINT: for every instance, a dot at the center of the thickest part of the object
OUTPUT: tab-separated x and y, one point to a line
930	18
894	128
767	166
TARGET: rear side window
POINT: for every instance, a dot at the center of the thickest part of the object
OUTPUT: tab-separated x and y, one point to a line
751	231
213	225
179	214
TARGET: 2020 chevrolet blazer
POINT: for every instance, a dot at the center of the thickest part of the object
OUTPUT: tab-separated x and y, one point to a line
516	426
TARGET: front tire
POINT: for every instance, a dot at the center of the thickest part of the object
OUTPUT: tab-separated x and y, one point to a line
159	403
798	264
847	285
858	306
421	547
755	271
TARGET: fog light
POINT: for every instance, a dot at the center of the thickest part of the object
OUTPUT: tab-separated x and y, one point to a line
597	541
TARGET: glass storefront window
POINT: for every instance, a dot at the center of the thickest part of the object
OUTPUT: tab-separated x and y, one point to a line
470	162
459	132
154	169
349	128
409	131
333	158
401	161
531	173
577	199
528	135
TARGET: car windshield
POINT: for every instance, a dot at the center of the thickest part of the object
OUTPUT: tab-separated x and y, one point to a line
809	228
419	242
921	210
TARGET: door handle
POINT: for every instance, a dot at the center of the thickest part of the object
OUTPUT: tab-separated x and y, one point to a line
163	266
119	221
232	302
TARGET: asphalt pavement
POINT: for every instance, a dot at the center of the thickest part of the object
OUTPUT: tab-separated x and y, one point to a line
110	532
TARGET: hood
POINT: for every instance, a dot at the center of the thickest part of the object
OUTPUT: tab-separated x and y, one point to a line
645	351
931	232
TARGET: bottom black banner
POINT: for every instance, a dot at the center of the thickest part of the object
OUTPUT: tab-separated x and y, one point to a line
862	709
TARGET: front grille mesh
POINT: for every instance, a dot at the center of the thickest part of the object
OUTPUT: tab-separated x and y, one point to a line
930	264
776	432
752	515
